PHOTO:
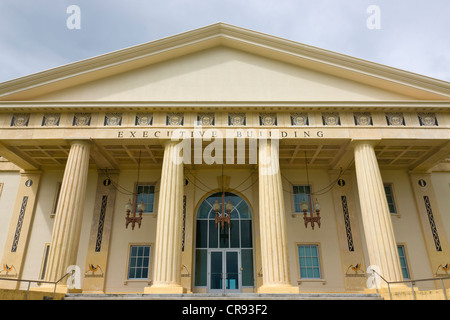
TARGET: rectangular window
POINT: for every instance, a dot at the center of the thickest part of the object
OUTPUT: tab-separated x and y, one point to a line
56	199
308	256
139	263
302	193
146	193
44	261
390	198
403	262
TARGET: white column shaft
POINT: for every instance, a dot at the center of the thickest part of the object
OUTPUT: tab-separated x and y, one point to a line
167	267
378	229
67	224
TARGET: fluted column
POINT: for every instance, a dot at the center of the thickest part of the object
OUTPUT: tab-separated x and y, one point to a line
167	258
69	213
378	229
274	251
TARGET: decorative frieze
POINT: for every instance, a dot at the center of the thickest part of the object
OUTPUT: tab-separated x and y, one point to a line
299	119
81	119
268	119
363	118
427	119
236	119
175	119
20	120
206	119
395	119
113	119
331	119
144	119
51	119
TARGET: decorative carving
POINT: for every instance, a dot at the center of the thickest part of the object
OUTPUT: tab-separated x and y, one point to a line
348	228
236	119
6	271
268	119
357	269
175	119
113	119
82	119
299	119
20	120
427	119
51	119
434	231
144	119
19	224
101	223
363	118
331	119
206	119
395	119
91	273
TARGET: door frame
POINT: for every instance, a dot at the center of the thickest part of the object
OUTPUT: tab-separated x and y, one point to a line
224	290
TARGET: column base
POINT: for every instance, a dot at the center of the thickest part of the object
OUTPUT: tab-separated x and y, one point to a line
164	289
278	289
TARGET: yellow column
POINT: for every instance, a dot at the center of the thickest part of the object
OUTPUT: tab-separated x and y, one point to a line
274	251
167	261
69	213
378	229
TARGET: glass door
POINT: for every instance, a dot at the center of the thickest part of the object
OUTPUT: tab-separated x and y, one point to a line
224	271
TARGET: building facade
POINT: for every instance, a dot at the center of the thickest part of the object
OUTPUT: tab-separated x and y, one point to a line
201	163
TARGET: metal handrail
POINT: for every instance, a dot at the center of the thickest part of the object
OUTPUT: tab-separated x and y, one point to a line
55	283
412	284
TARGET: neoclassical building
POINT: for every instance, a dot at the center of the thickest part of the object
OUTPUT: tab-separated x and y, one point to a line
202	162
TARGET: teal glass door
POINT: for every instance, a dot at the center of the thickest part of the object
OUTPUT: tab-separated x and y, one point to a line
224	274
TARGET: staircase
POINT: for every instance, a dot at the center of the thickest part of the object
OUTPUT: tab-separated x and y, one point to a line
242	296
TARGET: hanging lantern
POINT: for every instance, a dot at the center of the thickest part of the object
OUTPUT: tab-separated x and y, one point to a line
312	218
133	219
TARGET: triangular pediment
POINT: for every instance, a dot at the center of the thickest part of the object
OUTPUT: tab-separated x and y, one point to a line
223	63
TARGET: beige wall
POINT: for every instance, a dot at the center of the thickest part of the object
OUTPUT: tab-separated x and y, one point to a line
223	74
406	223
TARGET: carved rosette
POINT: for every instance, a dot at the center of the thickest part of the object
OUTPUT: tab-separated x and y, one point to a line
395	119
20	120
51	120
268	119
427	119
206	119
113	119
175	119
331	119
299	119
82	119
363	118
236	119
144	119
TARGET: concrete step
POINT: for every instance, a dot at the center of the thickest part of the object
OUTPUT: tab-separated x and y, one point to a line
242	296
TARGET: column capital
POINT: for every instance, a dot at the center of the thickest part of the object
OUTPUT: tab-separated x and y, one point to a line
85	142
357	142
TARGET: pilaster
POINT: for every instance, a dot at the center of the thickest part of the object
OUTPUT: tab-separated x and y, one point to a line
19	229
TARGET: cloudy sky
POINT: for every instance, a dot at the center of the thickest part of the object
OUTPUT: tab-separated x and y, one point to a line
413	35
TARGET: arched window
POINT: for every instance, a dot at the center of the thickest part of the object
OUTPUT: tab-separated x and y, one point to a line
237	236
